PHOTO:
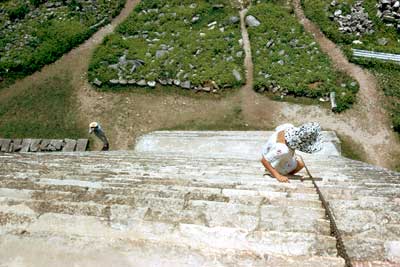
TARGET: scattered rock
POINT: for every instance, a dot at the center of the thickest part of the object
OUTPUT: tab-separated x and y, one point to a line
212	24
382	41
151	83
218	6
162	82
389	12
237	75
234	19
251	21
161	53
239	54
97	82
270	43
356	22
142	82
337	13
195	19
186	85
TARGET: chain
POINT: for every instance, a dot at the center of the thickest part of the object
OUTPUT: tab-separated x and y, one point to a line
334	229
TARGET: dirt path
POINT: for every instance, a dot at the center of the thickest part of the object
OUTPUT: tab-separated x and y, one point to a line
367	123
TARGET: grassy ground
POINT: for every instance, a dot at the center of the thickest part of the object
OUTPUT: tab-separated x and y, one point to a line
387	73
350	149
34	34
43	110
232	121
286	57
184	40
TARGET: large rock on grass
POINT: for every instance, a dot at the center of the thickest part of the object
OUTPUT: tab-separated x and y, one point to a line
251	21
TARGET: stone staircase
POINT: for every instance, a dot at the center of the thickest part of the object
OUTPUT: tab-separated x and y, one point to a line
191	204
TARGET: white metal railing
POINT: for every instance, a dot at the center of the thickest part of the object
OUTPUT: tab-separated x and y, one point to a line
376	55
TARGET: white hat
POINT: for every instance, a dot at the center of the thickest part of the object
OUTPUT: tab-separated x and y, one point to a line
93	125
306	138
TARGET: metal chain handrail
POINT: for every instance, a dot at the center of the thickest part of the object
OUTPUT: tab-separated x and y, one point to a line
334	229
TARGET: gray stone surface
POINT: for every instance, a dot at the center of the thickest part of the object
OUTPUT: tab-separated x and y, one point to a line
82	144
16	145
5	145
356	22
44	144
26	143
69	145
203	202
186	85
35	145
251	21
382	41
56	145
237	75
237	144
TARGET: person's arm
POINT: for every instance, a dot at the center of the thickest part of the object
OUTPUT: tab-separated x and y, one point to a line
275	173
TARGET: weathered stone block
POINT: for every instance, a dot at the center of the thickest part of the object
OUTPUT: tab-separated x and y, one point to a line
82	144
69	146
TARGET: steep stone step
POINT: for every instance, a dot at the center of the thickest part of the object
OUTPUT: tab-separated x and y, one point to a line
15	216
222	143
73	231
44	206
110	195
372	249
348	193
179	210
240	216
197	236
84	186
367	203
353	220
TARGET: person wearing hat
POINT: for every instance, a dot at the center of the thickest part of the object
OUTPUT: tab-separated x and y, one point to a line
278	153
95	128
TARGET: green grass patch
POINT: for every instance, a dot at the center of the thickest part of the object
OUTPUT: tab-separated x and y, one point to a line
43	110
351	149
192	41
287	60
35	33
232	121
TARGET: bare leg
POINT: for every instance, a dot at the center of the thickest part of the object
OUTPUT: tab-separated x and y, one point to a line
300	166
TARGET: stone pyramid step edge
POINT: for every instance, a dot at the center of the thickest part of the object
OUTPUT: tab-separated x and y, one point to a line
141	254
282	243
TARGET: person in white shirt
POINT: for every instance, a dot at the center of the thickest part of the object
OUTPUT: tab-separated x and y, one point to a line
278	153
95	128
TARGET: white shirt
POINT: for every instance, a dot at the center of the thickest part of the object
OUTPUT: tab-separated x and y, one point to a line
279	155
